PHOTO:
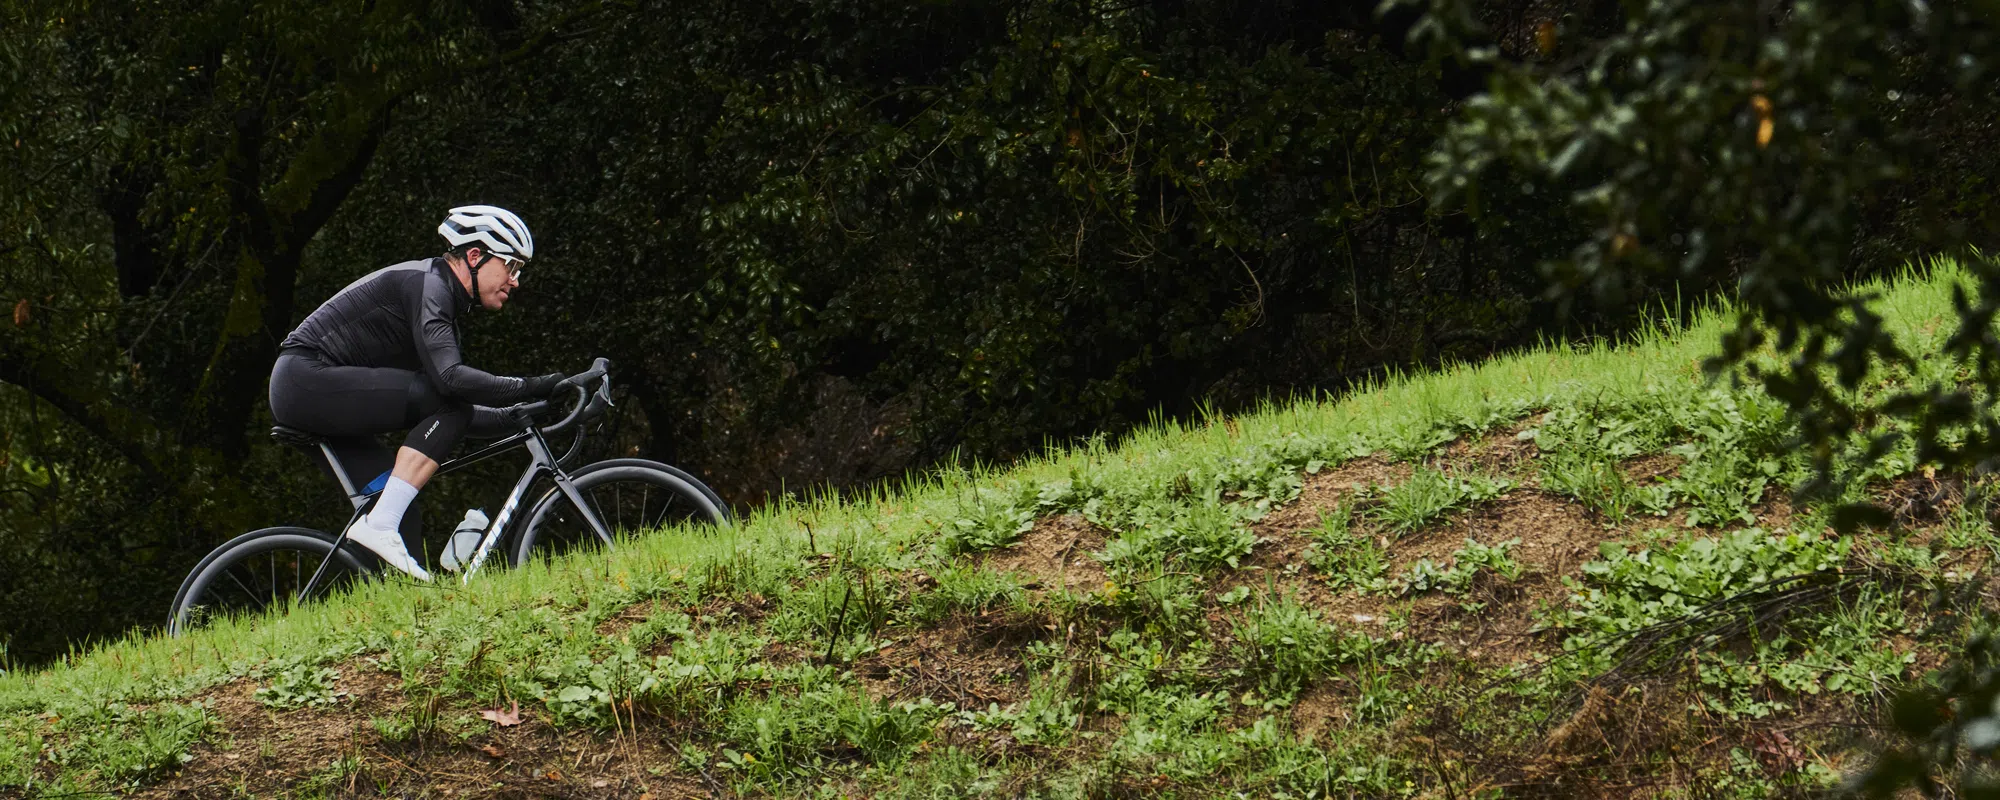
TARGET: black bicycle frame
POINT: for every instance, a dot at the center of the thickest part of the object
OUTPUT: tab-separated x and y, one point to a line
541	461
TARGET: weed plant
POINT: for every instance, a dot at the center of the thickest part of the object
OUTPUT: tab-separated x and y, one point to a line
1595	481
1844	646
992	520
121	747
1466	564
1346	558
1282	646
964	588
300	685
1202	535
1048	718
782	737
1429	495
418	720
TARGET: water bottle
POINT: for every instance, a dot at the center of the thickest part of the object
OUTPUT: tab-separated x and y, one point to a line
464	541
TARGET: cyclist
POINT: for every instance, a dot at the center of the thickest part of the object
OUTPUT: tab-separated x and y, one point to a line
382	355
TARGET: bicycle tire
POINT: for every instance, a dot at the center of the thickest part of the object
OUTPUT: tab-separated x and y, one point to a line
553	528
728	517
203	590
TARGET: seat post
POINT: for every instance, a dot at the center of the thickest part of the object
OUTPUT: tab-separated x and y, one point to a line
302	439
340	472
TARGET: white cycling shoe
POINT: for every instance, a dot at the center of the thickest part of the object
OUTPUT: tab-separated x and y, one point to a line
388	545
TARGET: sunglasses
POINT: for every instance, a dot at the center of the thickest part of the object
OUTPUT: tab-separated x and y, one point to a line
514	264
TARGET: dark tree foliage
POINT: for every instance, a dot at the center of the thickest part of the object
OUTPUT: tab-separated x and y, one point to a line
1772	144
167	166
851	237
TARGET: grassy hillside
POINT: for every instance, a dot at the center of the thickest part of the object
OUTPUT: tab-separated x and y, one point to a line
1573	572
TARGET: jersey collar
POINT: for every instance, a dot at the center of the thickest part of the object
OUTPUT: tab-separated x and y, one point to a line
461	296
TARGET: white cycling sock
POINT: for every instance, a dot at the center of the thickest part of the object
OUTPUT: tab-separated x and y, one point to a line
388	512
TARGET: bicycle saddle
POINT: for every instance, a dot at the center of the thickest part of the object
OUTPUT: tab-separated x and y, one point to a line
294	436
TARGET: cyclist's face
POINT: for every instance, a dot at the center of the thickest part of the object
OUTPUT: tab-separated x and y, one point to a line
497	281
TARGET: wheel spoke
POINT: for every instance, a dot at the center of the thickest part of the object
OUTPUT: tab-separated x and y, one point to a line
249	578
597	509
629	514
247	591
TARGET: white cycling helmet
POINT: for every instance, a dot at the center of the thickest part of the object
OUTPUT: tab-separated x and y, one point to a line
497	229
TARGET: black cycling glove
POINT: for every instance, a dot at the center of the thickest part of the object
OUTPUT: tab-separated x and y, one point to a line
544	385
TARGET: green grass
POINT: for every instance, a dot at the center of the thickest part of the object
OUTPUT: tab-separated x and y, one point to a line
755	633
1429	495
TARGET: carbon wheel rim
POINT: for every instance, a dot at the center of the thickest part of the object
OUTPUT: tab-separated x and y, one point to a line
257	577
631	501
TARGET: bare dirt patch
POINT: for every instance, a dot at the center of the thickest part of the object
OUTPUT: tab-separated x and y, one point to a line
1055	554
1650	468
1922	500
1556	533
968	660
1494	620
1501	452
1319	710
1327	491
337	751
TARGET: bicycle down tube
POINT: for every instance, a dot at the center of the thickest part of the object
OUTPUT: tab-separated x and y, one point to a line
542	461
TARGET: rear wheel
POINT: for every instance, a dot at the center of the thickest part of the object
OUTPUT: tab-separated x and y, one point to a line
260	571
629	499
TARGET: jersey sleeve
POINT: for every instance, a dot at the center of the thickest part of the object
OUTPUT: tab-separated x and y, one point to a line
436	336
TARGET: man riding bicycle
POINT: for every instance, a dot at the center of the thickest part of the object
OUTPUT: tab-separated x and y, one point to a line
382	355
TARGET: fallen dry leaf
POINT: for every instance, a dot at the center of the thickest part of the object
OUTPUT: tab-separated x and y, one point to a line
505	719
493	750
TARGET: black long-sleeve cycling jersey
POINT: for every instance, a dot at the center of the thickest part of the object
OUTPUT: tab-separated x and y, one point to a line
405	316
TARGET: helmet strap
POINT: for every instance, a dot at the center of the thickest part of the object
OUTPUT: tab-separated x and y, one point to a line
473	270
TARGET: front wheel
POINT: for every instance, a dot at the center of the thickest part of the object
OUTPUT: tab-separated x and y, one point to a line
259	571
630	499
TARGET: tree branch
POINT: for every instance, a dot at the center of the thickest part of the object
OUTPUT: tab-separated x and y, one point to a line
244	171
547	36
347	156
120	428
498	17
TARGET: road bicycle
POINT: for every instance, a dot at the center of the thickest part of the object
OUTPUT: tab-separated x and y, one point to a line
596	505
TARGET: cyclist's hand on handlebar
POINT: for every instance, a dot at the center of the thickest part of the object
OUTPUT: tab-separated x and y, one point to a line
586	377
544	385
